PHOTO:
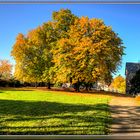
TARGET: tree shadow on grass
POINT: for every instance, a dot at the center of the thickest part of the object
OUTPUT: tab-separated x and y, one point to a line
34	108
69	115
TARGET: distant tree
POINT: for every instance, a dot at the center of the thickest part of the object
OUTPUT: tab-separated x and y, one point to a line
5	69
135	83
119	83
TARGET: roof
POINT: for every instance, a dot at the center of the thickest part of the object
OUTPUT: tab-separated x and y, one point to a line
132	67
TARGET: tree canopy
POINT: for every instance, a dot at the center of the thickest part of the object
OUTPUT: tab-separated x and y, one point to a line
68	49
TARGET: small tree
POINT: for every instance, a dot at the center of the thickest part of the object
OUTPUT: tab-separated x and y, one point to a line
118	83
5	69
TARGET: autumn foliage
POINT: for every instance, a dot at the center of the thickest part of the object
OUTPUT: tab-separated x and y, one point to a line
68	49
119	84
5	69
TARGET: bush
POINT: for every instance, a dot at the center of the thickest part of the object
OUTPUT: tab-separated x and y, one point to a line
4	83
10	83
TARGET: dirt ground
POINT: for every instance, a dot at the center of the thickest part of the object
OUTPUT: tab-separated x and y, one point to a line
125	112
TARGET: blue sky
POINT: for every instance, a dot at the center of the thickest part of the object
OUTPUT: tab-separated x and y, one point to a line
20	18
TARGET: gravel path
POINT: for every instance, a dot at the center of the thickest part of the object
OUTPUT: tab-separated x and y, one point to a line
126	116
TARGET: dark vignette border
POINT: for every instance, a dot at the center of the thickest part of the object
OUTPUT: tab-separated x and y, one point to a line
69	137
69	2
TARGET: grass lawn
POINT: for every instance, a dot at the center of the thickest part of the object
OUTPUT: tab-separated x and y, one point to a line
37	112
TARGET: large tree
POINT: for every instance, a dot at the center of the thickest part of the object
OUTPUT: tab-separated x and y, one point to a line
91	52
68	49
33	52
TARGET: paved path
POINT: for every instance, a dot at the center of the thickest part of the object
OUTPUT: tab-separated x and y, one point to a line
126	116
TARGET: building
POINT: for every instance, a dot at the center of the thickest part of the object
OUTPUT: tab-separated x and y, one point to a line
130	71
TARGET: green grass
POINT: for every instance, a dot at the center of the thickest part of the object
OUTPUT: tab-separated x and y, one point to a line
51	113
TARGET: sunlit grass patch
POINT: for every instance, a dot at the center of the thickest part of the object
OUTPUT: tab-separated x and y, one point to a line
47	112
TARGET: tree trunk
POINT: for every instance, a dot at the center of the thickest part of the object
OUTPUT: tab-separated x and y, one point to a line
86	86
35	84
78	86
46	85
49	85
90	86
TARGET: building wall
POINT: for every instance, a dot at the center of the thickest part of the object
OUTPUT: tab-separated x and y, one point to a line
131	69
